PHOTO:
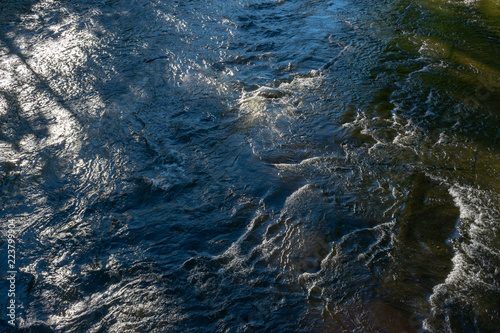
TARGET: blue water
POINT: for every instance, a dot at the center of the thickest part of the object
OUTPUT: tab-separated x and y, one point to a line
250	166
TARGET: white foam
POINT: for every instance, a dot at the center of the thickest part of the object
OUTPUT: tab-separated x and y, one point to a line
474	261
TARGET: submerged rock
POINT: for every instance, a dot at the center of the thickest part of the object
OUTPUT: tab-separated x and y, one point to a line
421	257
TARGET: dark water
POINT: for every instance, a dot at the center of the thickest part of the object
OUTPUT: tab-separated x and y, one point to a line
251	166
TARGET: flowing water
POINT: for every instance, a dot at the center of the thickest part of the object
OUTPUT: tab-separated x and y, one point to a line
251	165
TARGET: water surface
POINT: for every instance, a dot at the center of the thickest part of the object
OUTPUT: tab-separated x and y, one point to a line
251	166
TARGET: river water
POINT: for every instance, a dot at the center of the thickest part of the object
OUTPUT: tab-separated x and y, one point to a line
252	165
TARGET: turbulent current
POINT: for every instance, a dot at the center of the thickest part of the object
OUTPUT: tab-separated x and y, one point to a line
250	166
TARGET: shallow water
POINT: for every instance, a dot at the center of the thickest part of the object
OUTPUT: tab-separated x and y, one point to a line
251	166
